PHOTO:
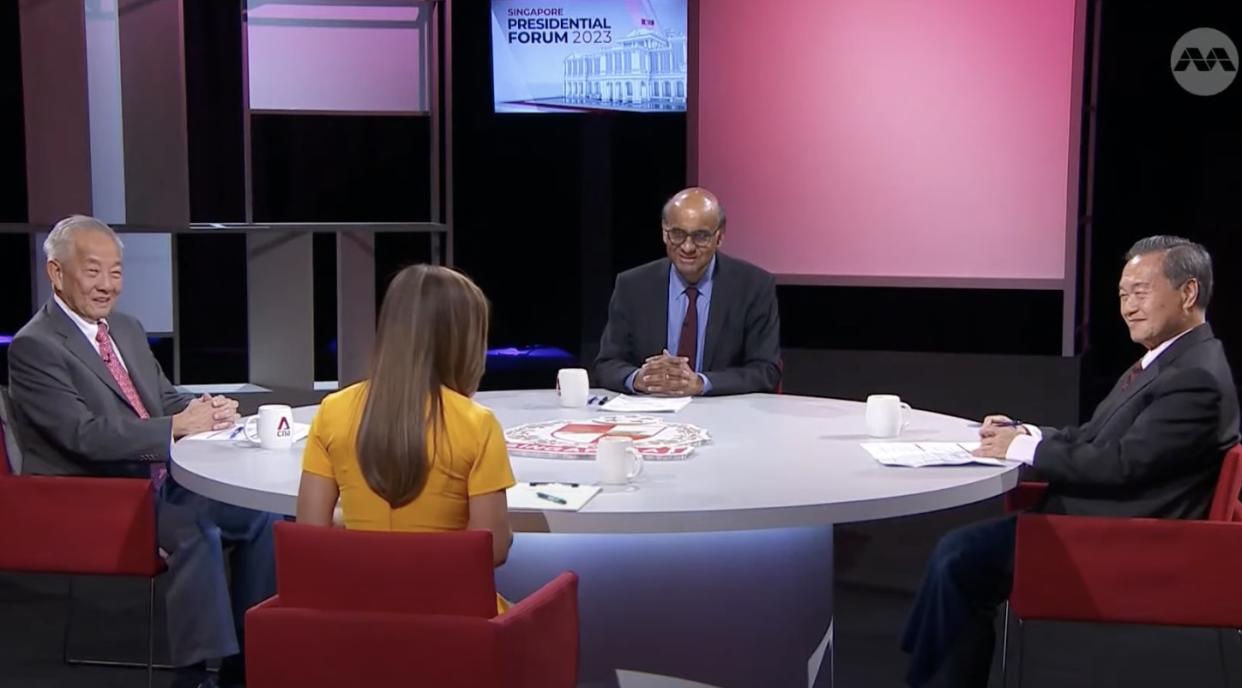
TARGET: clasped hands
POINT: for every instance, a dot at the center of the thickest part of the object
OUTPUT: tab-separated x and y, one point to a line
669	376
204	414
995	436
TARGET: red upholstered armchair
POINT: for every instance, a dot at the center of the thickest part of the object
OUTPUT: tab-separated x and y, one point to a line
1132	570
404	609
79	526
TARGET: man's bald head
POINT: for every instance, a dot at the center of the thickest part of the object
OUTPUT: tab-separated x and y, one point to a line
694	225
694	206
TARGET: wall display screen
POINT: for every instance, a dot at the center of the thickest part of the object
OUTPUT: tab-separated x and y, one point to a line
892	143
589	55
333	56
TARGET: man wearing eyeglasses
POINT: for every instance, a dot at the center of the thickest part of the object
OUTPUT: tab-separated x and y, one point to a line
695	322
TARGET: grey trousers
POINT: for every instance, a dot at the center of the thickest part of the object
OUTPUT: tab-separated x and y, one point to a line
206	613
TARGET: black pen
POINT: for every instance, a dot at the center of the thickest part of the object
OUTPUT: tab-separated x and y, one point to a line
551	498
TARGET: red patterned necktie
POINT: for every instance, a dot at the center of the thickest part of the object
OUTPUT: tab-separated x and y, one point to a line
1132	373
688	341
113	364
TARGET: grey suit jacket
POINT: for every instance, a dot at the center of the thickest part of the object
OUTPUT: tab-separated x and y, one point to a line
1153	448
10	433
741	348
71	416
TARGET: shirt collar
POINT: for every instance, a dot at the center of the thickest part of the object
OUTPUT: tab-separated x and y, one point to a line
677	284
1152	355
88	328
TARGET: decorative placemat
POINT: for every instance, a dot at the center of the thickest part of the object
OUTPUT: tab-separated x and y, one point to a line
654	437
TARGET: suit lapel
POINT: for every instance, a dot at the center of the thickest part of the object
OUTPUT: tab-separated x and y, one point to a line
655	330
1118	397
77	345
717	311
130	345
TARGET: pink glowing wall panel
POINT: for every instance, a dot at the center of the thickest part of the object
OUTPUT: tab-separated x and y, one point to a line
883	139
337	56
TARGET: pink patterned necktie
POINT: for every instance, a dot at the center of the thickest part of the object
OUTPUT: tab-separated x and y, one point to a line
108	354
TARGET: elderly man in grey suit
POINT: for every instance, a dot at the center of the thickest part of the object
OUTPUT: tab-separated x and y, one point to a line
90	399
695	322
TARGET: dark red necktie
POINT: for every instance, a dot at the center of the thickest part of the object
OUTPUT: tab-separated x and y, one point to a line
1132	373
688	342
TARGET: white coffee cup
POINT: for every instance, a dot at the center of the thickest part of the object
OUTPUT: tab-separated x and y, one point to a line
619	462
272	428
573	385
886	415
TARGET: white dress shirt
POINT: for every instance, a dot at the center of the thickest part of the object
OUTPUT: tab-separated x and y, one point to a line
1023	446
90	329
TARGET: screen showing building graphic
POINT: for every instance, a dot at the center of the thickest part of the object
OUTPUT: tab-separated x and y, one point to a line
589	55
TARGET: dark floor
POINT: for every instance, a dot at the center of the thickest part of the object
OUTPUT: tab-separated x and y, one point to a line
878	565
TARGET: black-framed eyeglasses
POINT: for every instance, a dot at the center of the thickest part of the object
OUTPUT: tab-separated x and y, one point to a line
701	237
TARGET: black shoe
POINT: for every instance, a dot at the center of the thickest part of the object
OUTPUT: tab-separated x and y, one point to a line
233	671
194	676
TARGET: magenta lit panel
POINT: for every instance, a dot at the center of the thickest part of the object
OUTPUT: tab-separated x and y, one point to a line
891	138
352	57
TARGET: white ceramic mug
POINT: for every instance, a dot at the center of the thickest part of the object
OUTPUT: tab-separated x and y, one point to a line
272	428
619	462
573	385
886	415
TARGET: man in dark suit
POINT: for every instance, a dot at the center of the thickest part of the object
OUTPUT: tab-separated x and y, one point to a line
1153	448
696	322
89	398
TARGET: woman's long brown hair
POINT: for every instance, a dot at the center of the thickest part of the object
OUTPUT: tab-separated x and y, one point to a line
432	333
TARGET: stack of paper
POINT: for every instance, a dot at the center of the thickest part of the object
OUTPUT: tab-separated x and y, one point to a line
233	433
918	454
236	434
550	496
626	403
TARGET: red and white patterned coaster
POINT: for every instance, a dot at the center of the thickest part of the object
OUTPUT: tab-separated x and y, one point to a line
654	438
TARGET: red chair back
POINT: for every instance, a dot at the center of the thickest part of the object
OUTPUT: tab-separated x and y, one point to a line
1135	570
1227	502
288	646
533	645
1024	496
399	573
1127	570
75	525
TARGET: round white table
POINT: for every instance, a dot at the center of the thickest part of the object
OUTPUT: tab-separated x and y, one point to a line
717	568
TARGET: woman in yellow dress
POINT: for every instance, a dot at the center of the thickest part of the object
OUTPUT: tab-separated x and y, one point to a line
408	449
